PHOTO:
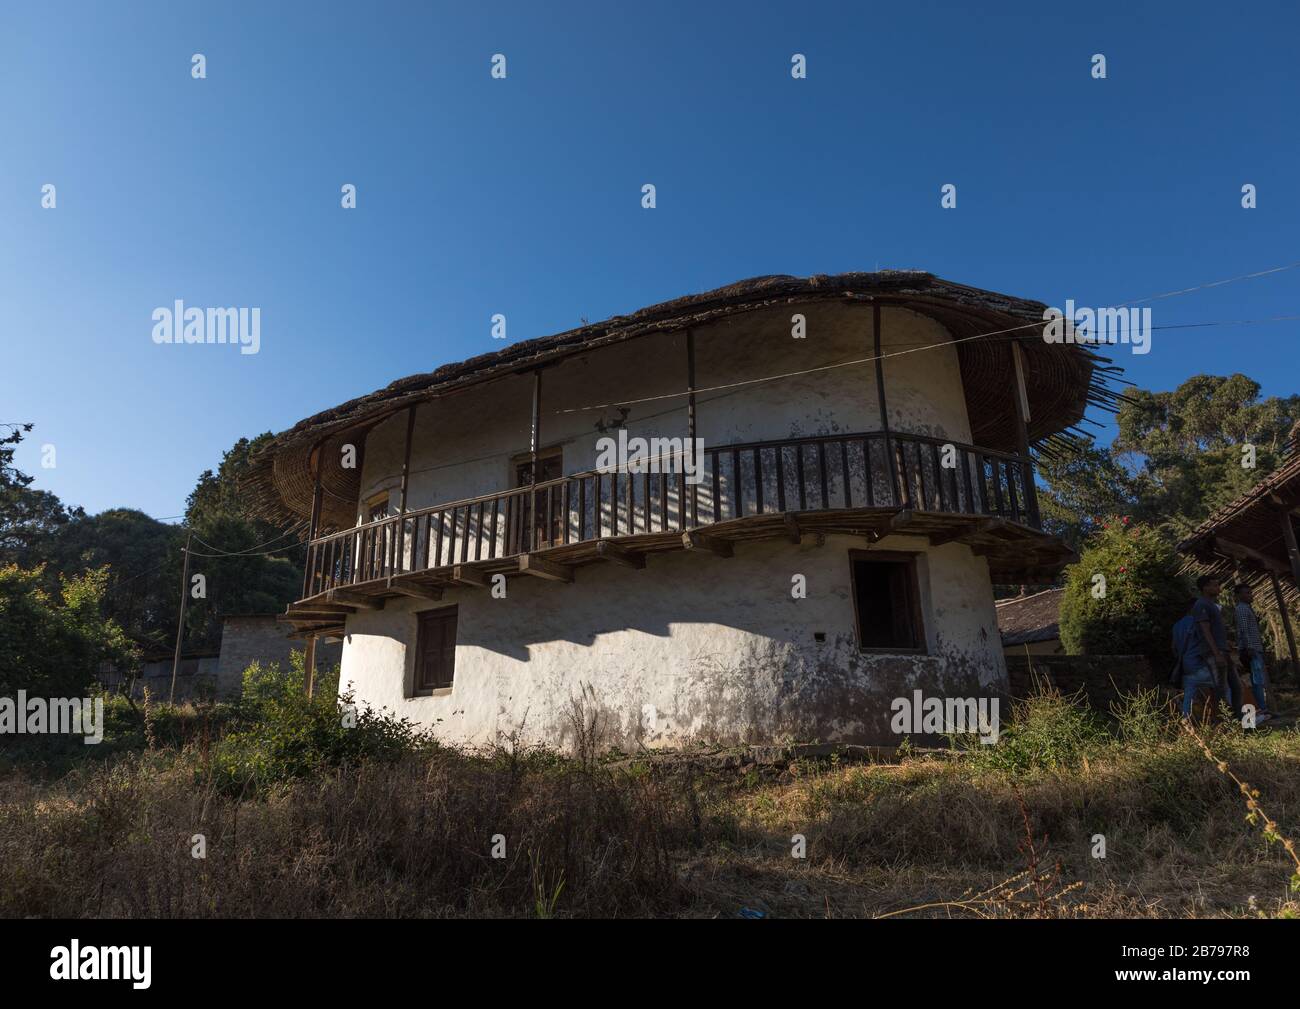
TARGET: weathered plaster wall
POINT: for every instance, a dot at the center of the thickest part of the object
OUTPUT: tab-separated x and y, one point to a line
717	648
692	647
463	445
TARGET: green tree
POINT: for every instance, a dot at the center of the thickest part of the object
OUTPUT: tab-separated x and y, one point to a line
1083	485
1176	458
249	564
29	519
51	644
1124	594
1185	448
143	557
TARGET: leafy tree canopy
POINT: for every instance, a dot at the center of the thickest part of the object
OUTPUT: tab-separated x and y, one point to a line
1176	458
29	519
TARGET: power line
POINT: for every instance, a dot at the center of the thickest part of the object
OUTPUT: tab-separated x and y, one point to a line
242	553
250	551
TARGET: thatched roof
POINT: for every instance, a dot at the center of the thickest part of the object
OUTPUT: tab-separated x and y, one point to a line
1062	380
1024	620
1246	533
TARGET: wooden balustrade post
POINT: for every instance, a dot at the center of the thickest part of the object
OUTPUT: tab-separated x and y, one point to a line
1020	401
895	484
690	427
535	445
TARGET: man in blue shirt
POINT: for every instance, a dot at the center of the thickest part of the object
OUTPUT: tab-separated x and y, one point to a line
1189	667
1210	666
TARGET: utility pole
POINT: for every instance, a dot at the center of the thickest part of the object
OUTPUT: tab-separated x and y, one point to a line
180	623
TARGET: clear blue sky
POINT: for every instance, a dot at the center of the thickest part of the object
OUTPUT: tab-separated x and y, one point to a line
522	196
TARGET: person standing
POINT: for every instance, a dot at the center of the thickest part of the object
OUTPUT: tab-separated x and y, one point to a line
1217	660
1192	668
1250	647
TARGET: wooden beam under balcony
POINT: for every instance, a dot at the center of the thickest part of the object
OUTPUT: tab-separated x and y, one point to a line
355	599
540	567
692	539
462	575
317	627
976	528
900	520
620	554
309	615
320	606
415	590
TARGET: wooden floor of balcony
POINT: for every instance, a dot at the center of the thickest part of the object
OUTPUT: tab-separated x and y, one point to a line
1015	553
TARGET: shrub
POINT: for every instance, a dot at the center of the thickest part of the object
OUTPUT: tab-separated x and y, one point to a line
293	736
265	683
1046	732
1143	594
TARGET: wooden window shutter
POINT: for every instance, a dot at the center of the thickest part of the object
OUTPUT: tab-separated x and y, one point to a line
435	650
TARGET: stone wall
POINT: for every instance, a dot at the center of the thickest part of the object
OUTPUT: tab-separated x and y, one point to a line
265	640
196	677
1101	677
220	676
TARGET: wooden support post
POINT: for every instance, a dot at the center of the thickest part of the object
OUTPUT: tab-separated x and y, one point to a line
1286	624
1020	403
401	501
890	462
309	663
1292	552
534	447
313	529
690	426
180	621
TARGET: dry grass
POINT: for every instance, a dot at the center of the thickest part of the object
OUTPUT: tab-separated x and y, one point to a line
935	836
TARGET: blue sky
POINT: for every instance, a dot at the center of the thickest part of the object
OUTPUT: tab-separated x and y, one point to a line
522	196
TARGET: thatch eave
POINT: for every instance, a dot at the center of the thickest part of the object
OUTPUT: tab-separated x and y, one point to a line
1063	379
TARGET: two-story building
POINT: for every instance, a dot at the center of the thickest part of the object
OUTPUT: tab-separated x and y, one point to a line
497	565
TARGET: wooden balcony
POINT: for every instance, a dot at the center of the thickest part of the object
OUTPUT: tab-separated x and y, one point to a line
870	484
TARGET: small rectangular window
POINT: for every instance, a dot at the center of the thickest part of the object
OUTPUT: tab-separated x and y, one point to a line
887	601
435	650
377	507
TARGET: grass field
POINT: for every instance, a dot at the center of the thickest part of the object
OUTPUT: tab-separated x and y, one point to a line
296	823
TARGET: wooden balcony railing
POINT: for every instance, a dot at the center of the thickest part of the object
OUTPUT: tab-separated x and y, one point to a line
841	471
